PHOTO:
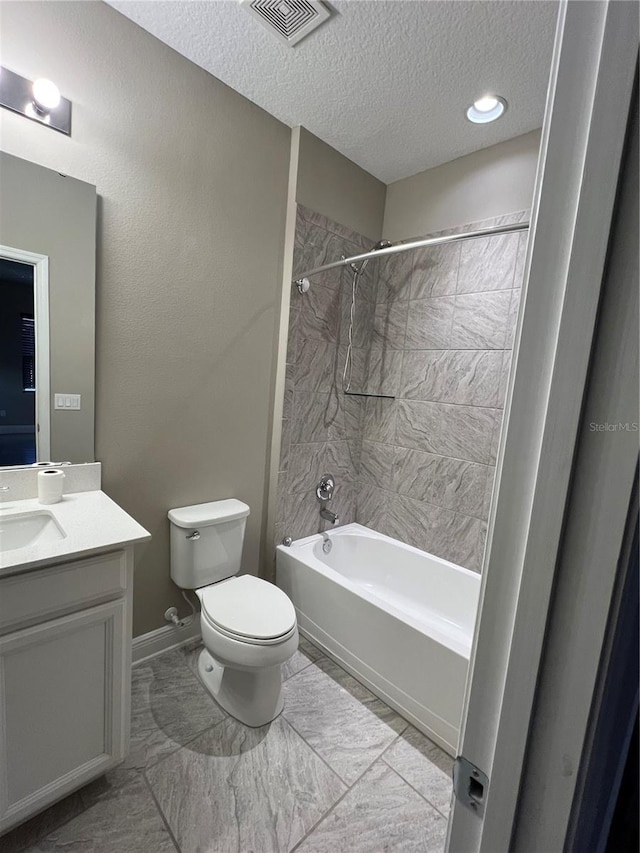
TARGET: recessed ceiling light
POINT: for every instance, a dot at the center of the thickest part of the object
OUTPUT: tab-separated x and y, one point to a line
486	109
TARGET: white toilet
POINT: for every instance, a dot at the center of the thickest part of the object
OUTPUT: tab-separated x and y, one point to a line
248	625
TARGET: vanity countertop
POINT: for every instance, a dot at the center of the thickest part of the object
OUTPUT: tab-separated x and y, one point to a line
91	521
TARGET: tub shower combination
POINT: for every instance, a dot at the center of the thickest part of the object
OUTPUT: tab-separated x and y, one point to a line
400	620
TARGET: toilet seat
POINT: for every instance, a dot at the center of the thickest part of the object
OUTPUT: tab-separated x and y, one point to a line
248	609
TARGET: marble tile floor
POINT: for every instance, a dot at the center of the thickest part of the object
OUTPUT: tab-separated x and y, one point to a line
337	772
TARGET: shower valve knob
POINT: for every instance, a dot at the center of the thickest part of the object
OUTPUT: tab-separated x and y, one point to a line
324	489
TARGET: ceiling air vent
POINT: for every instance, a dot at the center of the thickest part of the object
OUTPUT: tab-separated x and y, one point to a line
288	20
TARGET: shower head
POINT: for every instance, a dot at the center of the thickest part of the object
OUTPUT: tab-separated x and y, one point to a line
381	244
303	284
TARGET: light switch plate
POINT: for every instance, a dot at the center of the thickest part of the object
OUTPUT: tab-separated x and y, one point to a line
68	402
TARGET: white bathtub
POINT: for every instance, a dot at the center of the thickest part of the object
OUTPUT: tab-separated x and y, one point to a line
397	618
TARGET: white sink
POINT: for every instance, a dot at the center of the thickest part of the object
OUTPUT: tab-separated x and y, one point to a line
22	529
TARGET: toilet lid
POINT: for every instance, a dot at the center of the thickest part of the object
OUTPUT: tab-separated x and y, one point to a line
249	607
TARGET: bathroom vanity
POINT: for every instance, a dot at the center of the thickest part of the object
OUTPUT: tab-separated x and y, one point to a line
66	569
66	574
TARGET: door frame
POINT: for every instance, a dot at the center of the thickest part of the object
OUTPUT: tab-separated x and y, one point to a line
588	669
582	143
40	264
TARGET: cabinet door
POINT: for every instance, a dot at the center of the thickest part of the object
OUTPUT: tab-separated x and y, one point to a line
63	707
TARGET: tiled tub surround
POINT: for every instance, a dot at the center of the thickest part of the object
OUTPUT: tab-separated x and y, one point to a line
427	458
435	328
337	772
321	427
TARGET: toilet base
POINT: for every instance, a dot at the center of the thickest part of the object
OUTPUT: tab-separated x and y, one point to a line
252	696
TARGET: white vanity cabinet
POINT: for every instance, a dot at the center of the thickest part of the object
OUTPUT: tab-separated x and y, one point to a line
65	665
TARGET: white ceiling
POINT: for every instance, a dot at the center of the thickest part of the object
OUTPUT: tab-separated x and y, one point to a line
385	82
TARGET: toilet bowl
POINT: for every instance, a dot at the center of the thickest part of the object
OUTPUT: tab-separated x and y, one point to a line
248	630
248	625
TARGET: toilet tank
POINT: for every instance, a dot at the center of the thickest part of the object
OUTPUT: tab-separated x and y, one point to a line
206	542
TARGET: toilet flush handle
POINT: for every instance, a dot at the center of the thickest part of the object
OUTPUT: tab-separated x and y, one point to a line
194	535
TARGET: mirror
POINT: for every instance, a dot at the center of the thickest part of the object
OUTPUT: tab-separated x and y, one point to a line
47	311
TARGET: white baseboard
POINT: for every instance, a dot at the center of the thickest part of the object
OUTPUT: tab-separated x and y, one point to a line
162	639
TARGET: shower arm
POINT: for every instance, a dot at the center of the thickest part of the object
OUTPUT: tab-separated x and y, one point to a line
303	281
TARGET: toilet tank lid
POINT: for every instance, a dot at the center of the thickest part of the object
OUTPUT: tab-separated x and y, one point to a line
215	512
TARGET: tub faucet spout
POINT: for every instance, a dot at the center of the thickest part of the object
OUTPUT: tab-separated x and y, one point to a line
328	515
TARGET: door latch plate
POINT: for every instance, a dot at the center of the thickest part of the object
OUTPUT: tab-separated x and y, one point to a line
470	785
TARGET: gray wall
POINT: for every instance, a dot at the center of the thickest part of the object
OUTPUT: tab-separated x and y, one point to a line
334	186
192	179
487	183
47	213
435	327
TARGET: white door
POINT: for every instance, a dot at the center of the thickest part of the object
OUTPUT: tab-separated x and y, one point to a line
40	264
582	144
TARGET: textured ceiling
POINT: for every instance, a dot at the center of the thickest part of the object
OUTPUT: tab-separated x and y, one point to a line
385	82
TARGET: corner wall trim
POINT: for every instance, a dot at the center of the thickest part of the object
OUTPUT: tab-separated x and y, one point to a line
162	639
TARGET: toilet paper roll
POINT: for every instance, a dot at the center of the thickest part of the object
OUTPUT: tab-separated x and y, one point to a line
50	484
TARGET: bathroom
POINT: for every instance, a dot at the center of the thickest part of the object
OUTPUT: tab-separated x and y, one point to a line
216	379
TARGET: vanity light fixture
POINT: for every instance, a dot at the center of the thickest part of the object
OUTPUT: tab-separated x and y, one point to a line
39	101
487	108
46	95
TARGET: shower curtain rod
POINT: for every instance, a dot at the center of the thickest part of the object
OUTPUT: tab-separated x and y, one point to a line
303	283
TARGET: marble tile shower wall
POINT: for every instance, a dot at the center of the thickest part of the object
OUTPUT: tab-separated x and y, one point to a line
321	428
427	459
434	328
